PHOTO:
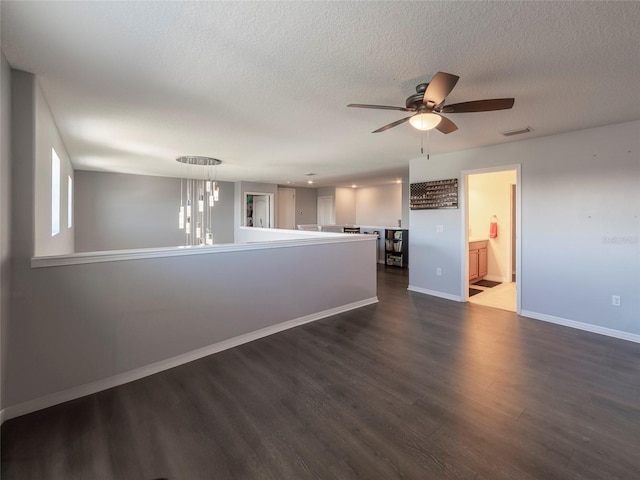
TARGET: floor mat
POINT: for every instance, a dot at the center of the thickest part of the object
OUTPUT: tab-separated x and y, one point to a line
486	283
474	291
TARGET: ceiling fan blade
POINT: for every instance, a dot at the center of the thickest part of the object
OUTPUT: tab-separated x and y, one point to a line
479	106
381	107
446	125
394	124
440	86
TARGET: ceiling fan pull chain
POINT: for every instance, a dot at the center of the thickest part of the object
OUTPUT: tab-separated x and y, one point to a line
428	143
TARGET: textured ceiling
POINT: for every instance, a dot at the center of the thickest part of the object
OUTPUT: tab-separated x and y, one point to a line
263	86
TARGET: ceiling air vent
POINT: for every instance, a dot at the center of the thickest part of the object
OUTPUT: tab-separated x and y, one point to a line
518	131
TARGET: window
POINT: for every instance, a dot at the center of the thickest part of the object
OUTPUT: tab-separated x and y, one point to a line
69	202
55	193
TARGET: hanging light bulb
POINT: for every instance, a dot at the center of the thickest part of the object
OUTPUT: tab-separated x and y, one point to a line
181	210
216	192
181	218
188	223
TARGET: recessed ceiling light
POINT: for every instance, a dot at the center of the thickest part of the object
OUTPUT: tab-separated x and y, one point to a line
353	186
309	182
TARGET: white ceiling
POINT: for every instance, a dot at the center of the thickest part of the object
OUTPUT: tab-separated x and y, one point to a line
263	86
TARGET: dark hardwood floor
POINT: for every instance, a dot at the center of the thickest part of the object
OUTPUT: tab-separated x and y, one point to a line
415	387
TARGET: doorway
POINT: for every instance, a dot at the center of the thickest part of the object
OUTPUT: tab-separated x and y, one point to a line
258	211
491	222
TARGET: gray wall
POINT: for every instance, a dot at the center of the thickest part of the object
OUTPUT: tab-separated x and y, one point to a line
46	138
326	192
379	205
306	206
23	126
84	323
580	225
77	324
345	204
5	208
117	211
406	194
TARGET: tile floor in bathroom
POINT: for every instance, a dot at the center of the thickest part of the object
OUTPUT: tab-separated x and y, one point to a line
501	296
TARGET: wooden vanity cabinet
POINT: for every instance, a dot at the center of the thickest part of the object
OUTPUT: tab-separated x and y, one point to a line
478	264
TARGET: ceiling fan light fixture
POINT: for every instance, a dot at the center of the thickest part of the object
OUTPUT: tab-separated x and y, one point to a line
425	121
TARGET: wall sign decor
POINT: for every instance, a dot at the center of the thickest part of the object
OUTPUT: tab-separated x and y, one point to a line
434	194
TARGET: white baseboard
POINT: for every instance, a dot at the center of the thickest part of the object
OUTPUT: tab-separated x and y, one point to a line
126	377
631	337
609	332
448	296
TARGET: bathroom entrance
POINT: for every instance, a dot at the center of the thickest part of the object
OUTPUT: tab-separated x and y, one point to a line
491	240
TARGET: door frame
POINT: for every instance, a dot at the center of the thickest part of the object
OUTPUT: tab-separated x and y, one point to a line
463	203
272	211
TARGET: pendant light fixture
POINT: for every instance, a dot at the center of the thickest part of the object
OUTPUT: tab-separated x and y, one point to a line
198	195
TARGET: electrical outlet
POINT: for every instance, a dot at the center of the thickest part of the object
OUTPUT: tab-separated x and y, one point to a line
439	228
438	271
615	300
